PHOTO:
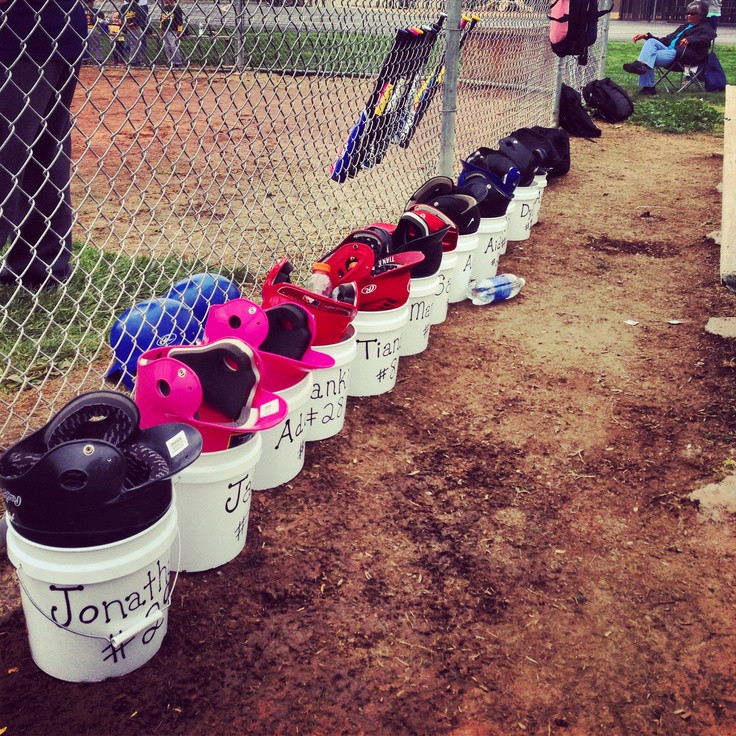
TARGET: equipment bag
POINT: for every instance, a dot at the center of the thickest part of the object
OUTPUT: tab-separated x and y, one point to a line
715	77
573	117
556	145
610	100
574	27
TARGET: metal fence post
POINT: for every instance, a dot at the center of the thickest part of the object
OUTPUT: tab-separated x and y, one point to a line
449	91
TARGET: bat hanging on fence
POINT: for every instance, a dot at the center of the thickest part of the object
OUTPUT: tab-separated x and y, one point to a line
348	162
429	89
402	95
397	65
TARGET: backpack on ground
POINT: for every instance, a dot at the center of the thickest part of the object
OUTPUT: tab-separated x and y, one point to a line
556	145
573	27
715	77
573	116
608	99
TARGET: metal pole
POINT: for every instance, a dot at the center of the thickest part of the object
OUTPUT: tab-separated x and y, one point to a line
449	90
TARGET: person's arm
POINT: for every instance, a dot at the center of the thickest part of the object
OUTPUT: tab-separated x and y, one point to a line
698	39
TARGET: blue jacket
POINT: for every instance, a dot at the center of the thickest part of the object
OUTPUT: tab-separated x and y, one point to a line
62	26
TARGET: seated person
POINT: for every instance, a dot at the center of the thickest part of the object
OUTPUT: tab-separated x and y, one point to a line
689	44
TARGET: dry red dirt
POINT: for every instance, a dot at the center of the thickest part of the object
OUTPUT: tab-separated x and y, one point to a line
505	544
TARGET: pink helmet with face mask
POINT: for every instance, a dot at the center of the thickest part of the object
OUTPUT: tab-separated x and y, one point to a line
214	387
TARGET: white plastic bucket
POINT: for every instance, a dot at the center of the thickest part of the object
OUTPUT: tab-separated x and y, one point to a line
466	247
282	456
213	505
328	400
492	234
442	292
509	213
96	612
540	181
421	303
520	220
378	346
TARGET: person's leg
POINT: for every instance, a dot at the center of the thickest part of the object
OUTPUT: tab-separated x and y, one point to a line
178	60
94	44
713	20
169	47
35	165
135	39
653	53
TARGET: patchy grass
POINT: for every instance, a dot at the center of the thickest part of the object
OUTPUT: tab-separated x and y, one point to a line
686	112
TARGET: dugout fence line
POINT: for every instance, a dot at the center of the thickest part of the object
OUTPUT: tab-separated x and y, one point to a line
222	163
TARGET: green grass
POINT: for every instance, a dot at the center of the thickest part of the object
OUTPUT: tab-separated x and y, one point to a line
286	51
686	112
37	348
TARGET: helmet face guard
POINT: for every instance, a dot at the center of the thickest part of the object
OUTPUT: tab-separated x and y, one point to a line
91	476
332	318
146	325
215	387
287	330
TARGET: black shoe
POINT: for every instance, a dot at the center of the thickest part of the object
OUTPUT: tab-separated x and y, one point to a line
647	91
636	67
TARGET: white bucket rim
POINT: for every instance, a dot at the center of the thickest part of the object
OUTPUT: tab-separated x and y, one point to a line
526	193
449	259
467	242
387	320
233	457
493	224
342	352
74	564
426	286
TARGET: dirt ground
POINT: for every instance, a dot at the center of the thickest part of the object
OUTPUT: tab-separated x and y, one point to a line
506	543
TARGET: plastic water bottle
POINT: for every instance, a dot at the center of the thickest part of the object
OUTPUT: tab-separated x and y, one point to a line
496	289
321	280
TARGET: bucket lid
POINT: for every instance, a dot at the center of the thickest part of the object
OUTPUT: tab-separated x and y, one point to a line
91	476
215	387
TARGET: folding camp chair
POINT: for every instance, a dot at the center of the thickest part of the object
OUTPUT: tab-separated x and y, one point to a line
689	75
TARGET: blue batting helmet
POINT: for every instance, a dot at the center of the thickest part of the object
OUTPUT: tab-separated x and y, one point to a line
148	324
201	290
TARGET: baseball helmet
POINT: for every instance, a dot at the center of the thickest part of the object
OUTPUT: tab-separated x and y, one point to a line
332	317
201	290
286	330
91	476
214	387
145	325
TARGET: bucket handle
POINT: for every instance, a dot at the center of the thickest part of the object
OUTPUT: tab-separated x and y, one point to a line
115	639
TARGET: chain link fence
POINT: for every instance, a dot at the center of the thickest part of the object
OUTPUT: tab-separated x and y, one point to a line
203	137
